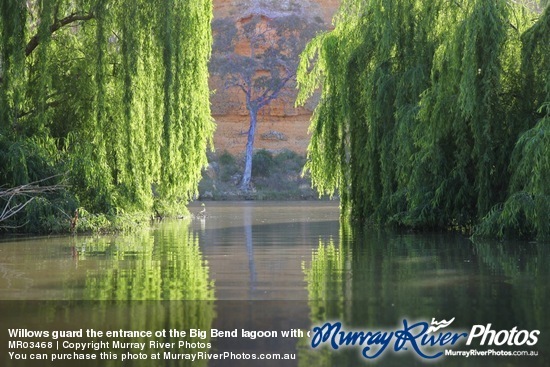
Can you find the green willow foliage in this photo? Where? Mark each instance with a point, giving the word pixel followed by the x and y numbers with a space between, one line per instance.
pixel 113 92
pixel 428 108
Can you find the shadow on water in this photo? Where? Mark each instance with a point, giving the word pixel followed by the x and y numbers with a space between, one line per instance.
pixel 372 280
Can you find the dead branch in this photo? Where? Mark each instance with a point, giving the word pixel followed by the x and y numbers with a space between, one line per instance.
pixel 28 192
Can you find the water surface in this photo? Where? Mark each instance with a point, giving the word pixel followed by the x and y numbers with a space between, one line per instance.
pixel 275 266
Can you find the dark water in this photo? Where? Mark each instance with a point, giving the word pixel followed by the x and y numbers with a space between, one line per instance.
pixel 272 266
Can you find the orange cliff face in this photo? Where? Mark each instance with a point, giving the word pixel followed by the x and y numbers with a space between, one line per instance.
pixel 280 124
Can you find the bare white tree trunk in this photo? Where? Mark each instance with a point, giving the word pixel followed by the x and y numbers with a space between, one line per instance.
pixel 245 183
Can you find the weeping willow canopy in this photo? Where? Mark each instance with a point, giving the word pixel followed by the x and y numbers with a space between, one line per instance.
pixel 113 92
pixel 434 114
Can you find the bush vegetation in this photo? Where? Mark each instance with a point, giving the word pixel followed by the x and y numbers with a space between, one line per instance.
pixel 275 176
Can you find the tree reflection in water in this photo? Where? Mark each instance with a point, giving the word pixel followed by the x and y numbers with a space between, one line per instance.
pixel 373 280
pixel 150 281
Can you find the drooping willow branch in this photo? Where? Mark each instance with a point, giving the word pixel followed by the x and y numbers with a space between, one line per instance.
pixel 59 23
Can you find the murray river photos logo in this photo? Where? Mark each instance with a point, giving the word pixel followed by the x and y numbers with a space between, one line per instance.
pixel 427 340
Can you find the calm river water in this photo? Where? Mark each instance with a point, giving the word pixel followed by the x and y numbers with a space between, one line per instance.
pixel 274 267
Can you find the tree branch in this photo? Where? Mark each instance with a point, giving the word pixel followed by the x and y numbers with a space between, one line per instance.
pixel 270 94
pixel 241 86
pixel 29 191
pixel 34 41
pixel 47 105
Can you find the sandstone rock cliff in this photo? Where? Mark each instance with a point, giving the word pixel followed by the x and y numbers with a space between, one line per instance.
pixel 280 125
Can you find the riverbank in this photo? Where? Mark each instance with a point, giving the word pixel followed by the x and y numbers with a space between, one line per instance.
pixel 276 175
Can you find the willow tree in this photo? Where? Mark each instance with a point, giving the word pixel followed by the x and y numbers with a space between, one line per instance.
pixel 115 92
pixel 373 68
pixel 527 206
pixel 422 105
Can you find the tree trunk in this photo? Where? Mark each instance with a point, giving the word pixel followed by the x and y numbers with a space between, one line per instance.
pixel 245 183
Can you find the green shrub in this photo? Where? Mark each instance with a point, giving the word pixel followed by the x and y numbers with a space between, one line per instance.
pixel 262 163
pixel 226 159
pixel 228 166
